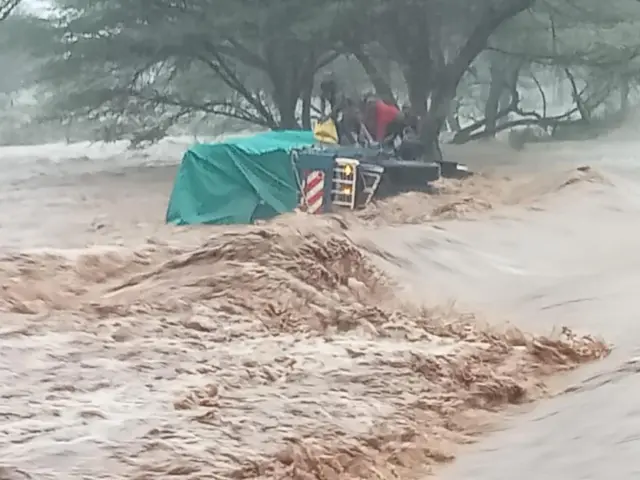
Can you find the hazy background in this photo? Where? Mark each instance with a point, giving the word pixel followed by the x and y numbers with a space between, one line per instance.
pixel 77 71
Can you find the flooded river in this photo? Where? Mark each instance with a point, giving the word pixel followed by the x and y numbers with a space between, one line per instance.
pixel 94 362
pixel 574 261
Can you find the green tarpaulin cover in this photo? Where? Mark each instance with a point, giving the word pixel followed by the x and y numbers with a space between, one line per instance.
pixel 237 181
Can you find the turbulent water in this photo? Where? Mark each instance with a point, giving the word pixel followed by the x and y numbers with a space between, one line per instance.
pixel 572 261
pixel 129 349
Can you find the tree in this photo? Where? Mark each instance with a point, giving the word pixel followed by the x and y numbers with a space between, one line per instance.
pixel 556 40
pixel 143 66
pixel 166 60
pixel 8 6
pixel 435 42
pixel 134 60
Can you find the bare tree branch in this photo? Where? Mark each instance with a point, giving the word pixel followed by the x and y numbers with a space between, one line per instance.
pixel 8 6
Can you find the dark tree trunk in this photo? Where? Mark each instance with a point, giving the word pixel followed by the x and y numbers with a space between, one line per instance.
pixel 306 107
pixel 433 119
pixel 307 94
pixel 452 117
pixel 430 128
pixel 418 82
pixel 287 110
pixel 284 73
pixel 445 77
pixel 504 79
pixel 585 113
pixel 286 100
pixel 377 79
pixel 496 87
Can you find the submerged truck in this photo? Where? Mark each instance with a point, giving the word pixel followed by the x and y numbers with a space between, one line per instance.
pixel 244 179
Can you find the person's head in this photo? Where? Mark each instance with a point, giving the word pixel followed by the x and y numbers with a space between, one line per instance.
pixel 368 99
pixel 368 106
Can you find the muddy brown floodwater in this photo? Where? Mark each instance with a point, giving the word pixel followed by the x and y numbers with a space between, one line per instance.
pixel 374 345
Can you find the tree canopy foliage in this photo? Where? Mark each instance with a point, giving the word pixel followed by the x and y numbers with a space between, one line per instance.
pixel 131 66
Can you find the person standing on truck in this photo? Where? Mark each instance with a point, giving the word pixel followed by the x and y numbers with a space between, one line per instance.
pixel 410 117
pixel 328 94
pixel 385 121
pixel 351 128
pixel 343 125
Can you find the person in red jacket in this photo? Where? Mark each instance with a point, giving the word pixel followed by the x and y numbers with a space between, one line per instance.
pixel 382 119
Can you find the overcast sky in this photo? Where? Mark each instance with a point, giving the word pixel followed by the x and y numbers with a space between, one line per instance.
pixel 35 5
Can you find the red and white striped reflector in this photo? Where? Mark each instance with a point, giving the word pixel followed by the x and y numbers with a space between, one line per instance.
pixel 313 190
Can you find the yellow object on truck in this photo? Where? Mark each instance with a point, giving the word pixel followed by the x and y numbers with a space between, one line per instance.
pixel 326 132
